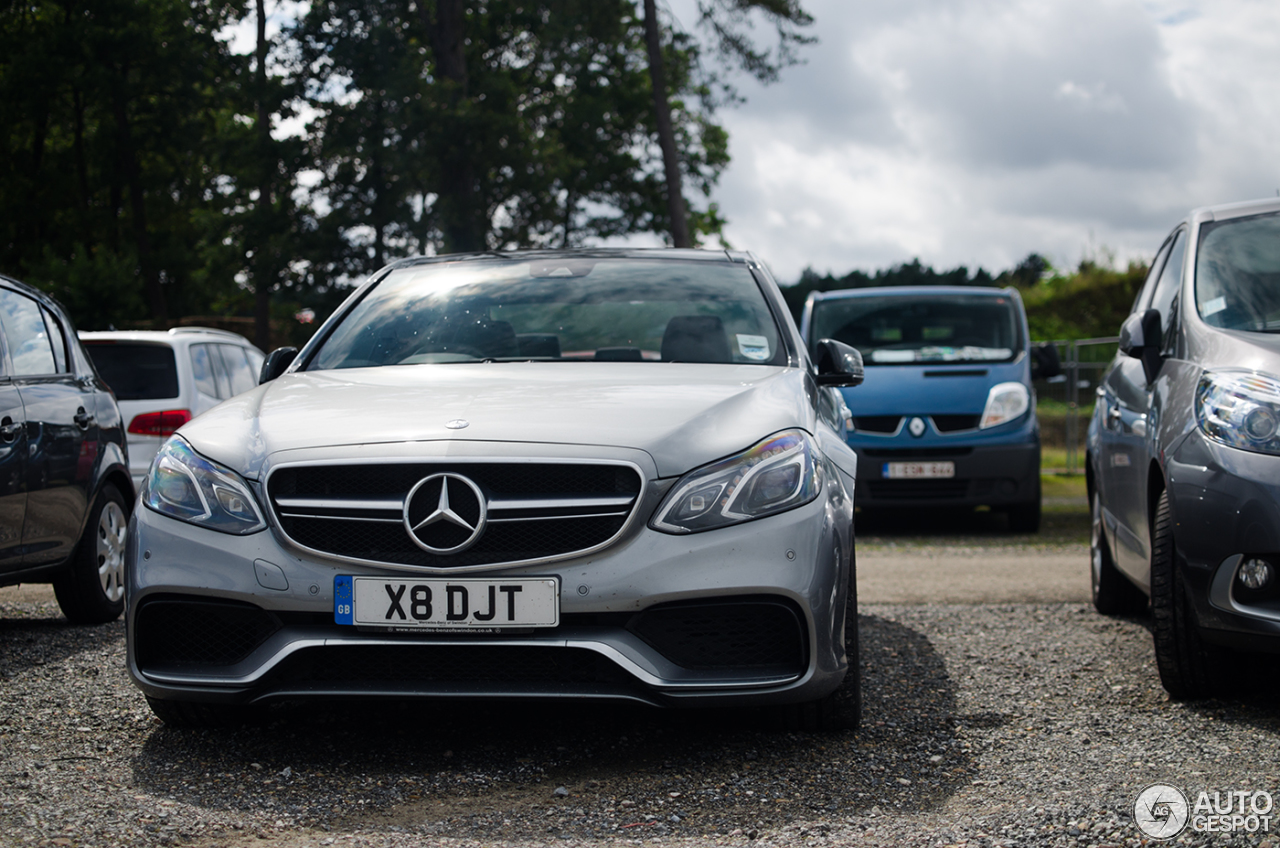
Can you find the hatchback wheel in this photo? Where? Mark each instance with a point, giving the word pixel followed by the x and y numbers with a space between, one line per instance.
pixel 1187 666
pixel 1112 593
pixel 91 591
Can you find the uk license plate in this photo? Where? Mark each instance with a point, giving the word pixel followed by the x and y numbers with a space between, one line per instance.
pixel 918 470
pixel 446 604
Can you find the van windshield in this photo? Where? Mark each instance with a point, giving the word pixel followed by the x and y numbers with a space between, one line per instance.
pixel 1238 274
pixel 906 329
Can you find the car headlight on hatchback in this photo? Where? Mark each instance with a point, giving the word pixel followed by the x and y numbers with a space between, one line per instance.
pixel 1240 409
pixel 772 476
pixel 1005 402
pixel 186 486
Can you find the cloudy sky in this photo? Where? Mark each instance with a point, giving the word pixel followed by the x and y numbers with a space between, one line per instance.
pixel 974 132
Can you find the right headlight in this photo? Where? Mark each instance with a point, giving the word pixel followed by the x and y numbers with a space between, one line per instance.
pixel 772 476
pixel 186 486
pixel 1240 409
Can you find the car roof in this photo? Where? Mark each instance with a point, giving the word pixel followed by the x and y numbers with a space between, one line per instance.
pixel 189 334
pixel 1223 211
pixel 665 253
pixel 913 291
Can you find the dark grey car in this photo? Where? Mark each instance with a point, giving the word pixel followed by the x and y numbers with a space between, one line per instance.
pixel 65 493
pixel 1184 453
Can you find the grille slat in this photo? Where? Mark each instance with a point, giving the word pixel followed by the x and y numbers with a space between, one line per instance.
pixel 535 510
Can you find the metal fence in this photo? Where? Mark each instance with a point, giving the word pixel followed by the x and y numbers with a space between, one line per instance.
pixel 1083 361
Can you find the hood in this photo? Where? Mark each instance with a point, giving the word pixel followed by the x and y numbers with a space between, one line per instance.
pixel 683 415
pixel 931 389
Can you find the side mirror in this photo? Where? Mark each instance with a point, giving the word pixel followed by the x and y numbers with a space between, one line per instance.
pixel 1044 361
pixel 1140 338
pixel 276 363
pixel 838 364
pixel 1140 330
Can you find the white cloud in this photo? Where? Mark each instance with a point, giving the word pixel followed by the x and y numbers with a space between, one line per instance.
pixel 977 131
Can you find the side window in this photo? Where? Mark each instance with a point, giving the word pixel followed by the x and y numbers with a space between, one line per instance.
pixel 1165 297
pixel 219 371
pixel 255 363
pixel 238 370
pixel 1148 286
pixel 202 370
pixel 27 335
pixel 58 339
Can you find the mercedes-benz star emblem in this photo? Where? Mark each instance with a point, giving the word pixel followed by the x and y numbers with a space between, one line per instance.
pixel 444 513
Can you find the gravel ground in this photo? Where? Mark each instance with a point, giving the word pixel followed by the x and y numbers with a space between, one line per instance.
pixel 1027 724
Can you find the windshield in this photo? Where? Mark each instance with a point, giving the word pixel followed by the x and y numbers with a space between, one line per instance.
pixel 904 329
pixel 574 309
pixel 1238 274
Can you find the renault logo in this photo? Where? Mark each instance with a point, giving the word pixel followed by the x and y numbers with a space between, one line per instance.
pixel 916 427
pixel 444 513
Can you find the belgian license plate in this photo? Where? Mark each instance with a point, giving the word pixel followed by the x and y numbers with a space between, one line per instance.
pixel 446 604
pixel 918 470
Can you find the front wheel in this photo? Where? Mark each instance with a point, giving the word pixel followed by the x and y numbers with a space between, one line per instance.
pixel 1187 666
pixel 91 590
pixel 842 709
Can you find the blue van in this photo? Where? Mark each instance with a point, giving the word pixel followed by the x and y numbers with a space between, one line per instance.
pixel 946 414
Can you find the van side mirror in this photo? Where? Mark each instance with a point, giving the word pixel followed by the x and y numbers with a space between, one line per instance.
pixel 1140 338
pixel 838 364
pixel 276 362
pixel 1044 361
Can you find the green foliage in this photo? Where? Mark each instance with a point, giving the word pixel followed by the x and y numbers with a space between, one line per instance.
pixel 138 176
pixel 1089 303
pixel 912 273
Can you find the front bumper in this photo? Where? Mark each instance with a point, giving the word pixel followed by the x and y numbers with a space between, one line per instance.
pixel 631 617
pixel 1000 467
pixel 1226 508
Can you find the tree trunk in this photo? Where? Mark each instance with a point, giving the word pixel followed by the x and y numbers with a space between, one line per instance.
pixel 263 258
pixel 461 213
pixel 137 199
pixel 666 135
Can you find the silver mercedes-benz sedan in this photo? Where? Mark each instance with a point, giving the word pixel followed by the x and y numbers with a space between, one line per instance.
pixel 604 474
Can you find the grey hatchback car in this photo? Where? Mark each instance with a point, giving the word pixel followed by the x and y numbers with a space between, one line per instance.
pixel 605 474
pixel 1184 450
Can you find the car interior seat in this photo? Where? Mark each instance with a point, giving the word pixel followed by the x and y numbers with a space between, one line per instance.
pixel 695 338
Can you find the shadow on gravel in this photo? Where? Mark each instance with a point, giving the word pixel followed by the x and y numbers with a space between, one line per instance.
pixel 30 642
pixel 535 768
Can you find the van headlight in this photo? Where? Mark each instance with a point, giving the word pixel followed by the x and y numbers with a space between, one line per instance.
pixel 772 476
pixel 1005 402
pixel 184 485
pixel 1240 409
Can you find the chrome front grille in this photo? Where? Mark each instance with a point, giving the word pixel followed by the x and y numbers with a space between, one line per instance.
pixel 533 510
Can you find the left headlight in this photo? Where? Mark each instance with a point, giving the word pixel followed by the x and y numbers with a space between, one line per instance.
pixel 186 486
pixel 1240 409
pixel 1005 402
pixel 772 476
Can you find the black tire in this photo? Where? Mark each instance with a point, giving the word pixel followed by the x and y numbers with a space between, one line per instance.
pixel 1112 593
pixel 187 715
pixel 91 589
pixel 840 710
pixel 1187 666
pixel 1025 517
